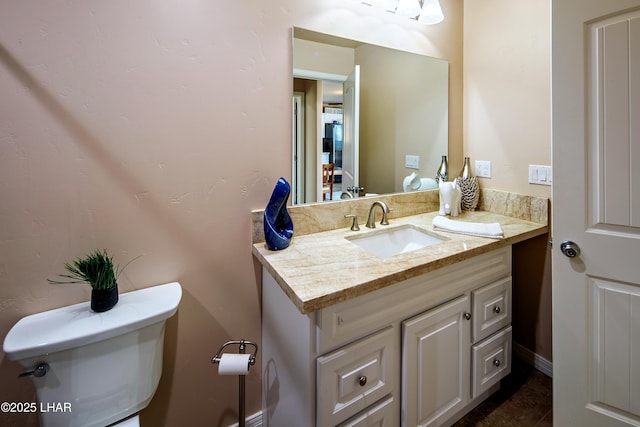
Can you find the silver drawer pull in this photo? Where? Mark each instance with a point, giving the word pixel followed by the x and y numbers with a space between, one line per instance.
pixel 496 309
pixel 362 381
pixel 496 363
pixel 467 316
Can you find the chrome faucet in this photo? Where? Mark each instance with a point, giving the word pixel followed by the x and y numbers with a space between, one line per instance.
pixel 371 221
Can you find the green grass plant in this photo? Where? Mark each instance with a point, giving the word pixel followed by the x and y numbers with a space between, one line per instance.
pixel 96 269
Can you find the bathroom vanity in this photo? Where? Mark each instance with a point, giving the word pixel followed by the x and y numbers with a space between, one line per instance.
pixel 418 338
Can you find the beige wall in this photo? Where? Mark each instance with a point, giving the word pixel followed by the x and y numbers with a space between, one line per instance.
pixel 403 111
pixel 153 128
pixel 507 120
pixel 507 90
pixel 322 58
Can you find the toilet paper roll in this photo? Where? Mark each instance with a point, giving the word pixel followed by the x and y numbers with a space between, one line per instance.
pixel 234 364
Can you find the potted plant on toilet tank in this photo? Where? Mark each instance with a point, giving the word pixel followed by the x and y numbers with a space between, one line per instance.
pixel 96 269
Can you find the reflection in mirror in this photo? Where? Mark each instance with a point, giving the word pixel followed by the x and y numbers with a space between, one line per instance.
pixel 403 111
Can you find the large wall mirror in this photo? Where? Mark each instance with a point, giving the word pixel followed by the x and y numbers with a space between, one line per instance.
pixel 364 109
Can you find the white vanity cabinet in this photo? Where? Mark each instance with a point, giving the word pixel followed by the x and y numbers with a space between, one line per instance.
pixel 454 353
pixel 419 352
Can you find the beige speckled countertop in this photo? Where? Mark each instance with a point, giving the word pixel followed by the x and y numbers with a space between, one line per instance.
pixel 320 269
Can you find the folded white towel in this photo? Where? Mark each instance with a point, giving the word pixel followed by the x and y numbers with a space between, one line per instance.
pixel 491 230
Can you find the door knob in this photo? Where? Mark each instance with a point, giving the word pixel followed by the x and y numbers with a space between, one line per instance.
pixel 570 249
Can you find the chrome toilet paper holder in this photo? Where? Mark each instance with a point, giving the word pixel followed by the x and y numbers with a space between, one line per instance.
pixel 242 347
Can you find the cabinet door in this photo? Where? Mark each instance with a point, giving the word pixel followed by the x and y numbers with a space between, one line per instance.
pixel 435 363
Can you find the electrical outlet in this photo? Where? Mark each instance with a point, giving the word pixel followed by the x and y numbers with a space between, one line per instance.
pixel 412 162
pixel 541 175
pixel 483 168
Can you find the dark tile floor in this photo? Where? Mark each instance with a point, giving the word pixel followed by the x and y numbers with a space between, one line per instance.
pixel 524 399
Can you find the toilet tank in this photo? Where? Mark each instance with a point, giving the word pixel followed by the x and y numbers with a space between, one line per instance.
pixel 103 367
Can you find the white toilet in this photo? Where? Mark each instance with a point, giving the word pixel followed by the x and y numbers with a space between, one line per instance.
pixel 95 369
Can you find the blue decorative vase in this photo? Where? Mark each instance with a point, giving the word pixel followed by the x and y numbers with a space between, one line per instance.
pixel 278 226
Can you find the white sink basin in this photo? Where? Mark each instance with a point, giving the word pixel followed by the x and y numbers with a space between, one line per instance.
pixel 388 242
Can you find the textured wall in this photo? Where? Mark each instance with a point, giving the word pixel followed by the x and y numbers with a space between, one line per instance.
pixel 507 120
pixel 507 90
pixel 153 128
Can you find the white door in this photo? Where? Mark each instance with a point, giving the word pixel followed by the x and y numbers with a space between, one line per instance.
pixel 596 204
pixel 351 131
pixel 297 138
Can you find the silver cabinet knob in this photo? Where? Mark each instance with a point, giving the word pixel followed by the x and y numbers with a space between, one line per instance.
pixel 496 363
pixel 570 249
pixel 467 316
pixel 496 309
pixel 362 381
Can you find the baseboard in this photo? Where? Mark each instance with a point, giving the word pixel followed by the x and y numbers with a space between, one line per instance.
pixel 533 359
pixel 254 420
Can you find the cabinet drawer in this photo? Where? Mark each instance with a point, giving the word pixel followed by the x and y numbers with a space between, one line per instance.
pixel 491 361
pixel 346 321
pixel 354 377
pixel 381 414
pixel 491 308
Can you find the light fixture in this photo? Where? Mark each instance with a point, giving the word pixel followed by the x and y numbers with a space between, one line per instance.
pixel 389 5
pixel 408 8
pixel 429 13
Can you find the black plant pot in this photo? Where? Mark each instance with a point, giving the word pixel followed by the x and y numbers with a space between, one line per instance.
pixel 104 299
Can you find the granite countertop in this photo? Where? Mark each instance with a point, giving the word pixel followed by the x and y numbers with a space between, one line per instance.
pixel 321 269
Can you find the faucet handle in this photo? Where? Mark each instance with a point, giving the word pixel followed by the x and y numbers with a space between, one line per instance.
pixel 354 223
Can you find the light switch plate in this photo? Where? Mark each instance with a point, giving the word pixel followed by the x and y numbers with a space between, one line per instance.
pixel 412 162
pixel 483 168
pixel 541 175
